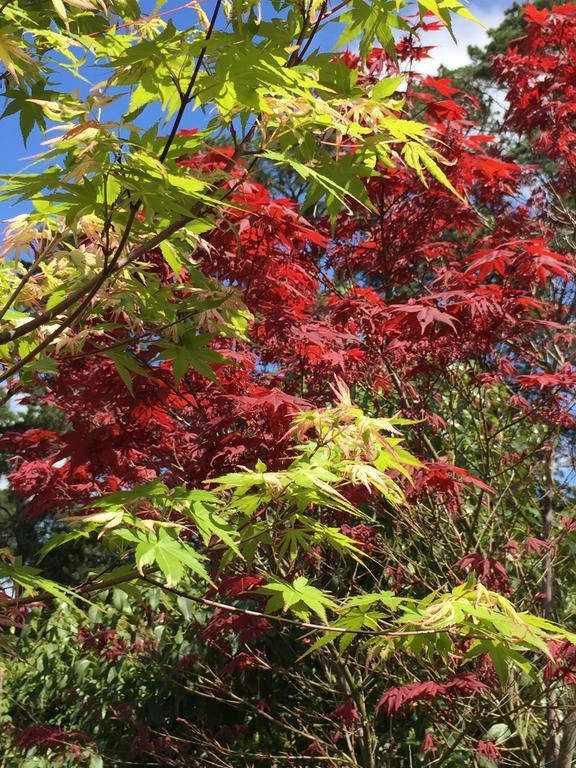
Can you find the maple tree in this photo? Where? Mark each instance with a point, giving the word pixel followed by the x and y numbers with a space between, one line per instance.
pixel 301 391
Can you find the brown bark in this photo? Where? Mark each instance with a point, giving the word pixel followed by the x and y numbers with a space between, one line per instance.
pixel 552 722
pixel 567 746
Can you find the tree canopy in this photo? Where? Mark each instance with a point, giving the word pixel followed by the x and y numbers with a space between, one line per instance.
pixel 286 359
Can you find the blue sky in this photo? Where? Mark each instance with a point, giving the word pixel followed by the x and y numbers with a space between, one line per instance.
pixel 14 157
pixel 453 54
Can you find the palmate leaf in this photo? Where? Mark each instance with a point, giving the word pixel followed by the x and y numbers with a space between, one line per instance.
pixel 157 542
pixel 20 101
pixel 333 189
pixel 126 365
pixel 304 532
pixel 211 524
pixel 371 22
pixel 444 9
pixel 164 549
pixel 334 538
pixel 294 541
pixel 192 352
pixel 420 157
pixel 13 56
pixel 502 656
pixel 358 613
pixel 300 597
pixel 354 620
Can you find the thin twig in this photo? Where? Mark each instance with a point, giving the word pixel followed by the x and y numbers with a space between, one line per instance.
pixel 293 622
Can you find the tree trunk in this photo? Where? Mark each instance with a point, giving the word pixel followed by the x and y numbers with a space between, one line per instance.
pixel 551 754
pixel 568 741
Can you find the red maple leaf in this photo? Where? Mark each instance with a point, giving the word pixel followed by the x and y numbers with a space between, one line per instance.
pixel 441 84
pixel 425 314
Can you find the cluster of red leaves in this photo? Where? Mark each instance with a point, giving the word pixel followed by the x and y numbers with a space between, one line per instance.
pixel 563 663
pixel 394 699
pixel 108 644
pixel 428 744
pixel 364 536
pixel 539 73
pixel 489 750
pixel 347 714
pixel 489 571
pixel 51 737
pixel 445 482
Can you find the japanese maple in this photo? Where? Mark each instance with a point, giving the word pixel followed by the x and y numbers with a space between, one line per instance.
pixel 310 445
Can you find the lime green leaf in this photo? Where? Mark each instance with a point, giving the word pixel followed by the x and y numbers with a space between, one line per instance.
pixel 386 87
pixel 417 155
pixel 58 539
pixel 125 364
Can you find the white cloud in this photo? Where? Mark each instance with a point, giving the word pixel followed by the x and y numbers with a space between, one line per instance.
pixel 454 54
